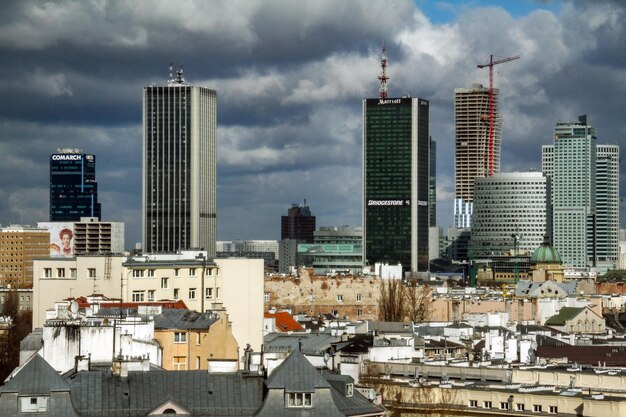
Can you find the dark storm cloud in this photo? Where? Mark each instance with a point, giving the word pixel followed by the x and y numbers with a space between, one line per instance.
pixel 290 77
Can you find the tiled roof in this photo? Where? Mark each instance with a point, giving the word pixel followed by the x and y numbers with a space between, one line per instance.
pixel 585 355
pixel 285 322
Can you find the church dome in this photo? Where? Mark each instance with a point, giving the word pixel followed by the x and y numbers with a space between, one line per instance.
pixel 546 254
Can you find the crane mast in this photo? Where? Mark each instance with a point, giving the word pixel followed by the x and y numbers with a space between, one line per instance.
pixel 490 64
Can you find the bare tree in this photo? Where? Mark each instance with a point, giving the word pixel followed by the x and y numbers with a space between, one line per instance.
pixel 419 302
pixel 391 301
pixel 10 307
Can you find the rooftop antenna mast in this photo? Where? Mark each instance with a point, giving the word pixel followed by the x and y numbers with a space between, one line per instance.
pixel 170 78
pixel 179 75
pixel 490 64
pixel 383 77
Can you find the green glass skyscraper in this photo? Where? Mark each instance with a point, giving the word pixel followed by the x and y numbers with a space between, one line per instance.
pixel 396 182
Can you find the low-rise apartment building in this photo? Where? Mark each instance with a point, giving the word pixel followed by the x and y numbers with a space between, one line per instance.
pixel 236 283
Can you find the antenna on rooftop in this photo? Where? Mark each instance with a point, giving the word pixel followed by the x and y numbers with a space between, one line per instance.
pixel 170 78
pixel 179 75
pixel 383 77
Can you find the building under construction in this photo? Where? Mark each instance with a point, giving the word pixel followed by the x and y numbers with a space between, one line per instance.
pixel 471 160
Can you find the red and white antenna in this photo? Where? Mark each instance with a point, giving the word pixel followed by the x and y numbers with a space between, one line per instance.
pixel 383 77
pixel 170 78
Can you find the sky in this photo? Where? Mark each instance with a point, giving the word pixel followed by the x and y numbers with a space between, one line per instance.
pixel 290 78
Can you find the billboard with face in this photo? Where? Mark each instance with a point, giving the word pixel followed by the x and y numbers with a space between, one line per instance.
pixel 61 238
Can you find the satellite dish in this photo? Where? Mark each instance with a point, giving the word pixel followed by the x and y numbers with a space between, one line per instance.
pixel 74 309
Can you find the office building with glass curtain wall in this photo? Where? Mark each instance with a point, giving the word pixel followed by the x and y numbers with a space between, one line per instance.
pixel 585 194
pixel 396 182
pixel 179 167
pixel 73 186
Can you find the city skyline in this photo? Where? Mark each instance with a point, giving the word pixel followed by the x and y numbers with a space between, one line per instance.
pixel 289 121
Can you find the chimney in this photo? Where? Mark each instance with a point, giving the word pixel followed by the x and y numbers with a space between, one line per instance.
pixel 82 363
pixel 247 355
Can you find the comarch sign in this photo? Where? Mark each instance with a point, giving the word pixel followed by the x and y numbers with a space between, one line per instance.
pixel 67 157
pixel 394 202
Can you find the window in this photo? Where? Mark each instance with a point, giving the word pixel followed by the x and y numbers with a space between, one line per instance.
pixel 91 272
pixel 197 362
pixel 164 283
pixel 504 406
pixel 266 296
pixel 209 293
pixel 192 272
pixel 176 272
pixel 358 297
pixel 137 296
pixel 473 403
pixel 180 363
pixel 537 408
pixel 47 272
pixel 180 337
pixel 73 273
pixel 217 292
pixel 339 298
pixel 486 404
pixel 349 390
pixel 61 272
pixel 150 273
pixel 520 407
pixel 554 409
pixel 176 294
pixel 192 293
pixel 298 399
pixel 150 295
pixel 33 404
pixel 359 313
pixel 198 339
pixel 137 273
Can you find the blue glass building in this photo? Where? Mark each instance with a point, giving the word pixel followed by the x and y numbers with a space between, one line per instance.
pixel 73 186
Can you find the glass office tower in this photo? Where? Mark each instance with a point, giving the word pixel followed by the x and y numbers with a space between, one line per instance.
pixel 396 182
pixel 73 186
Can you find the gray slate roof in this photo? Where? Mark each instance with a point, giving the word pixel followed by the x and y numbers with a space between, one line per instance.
pixel 312 343
pixel 296 374
pixel 36 377
pixel 99 394
pixel 175 318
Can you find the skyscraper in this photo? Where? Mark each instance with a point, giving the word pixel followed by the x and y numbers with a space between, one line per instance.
pixel 396 182
pixel 73 186
pixel 471 159
pixel 607 206
pixel 298 224
pixel 571 162
pixel 601 177
pixel 432 185
pixel 179 166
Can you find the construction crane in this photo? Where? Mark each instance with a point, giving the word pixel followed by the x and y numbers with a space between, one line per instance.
pixel 491 115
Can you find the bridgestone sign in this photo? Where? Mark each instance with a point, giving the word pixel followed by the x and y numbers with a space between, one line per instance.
pixel 388 202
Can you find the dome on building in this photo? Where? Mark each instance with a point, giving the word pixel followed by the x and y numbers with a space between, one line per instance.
pixel 546 254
